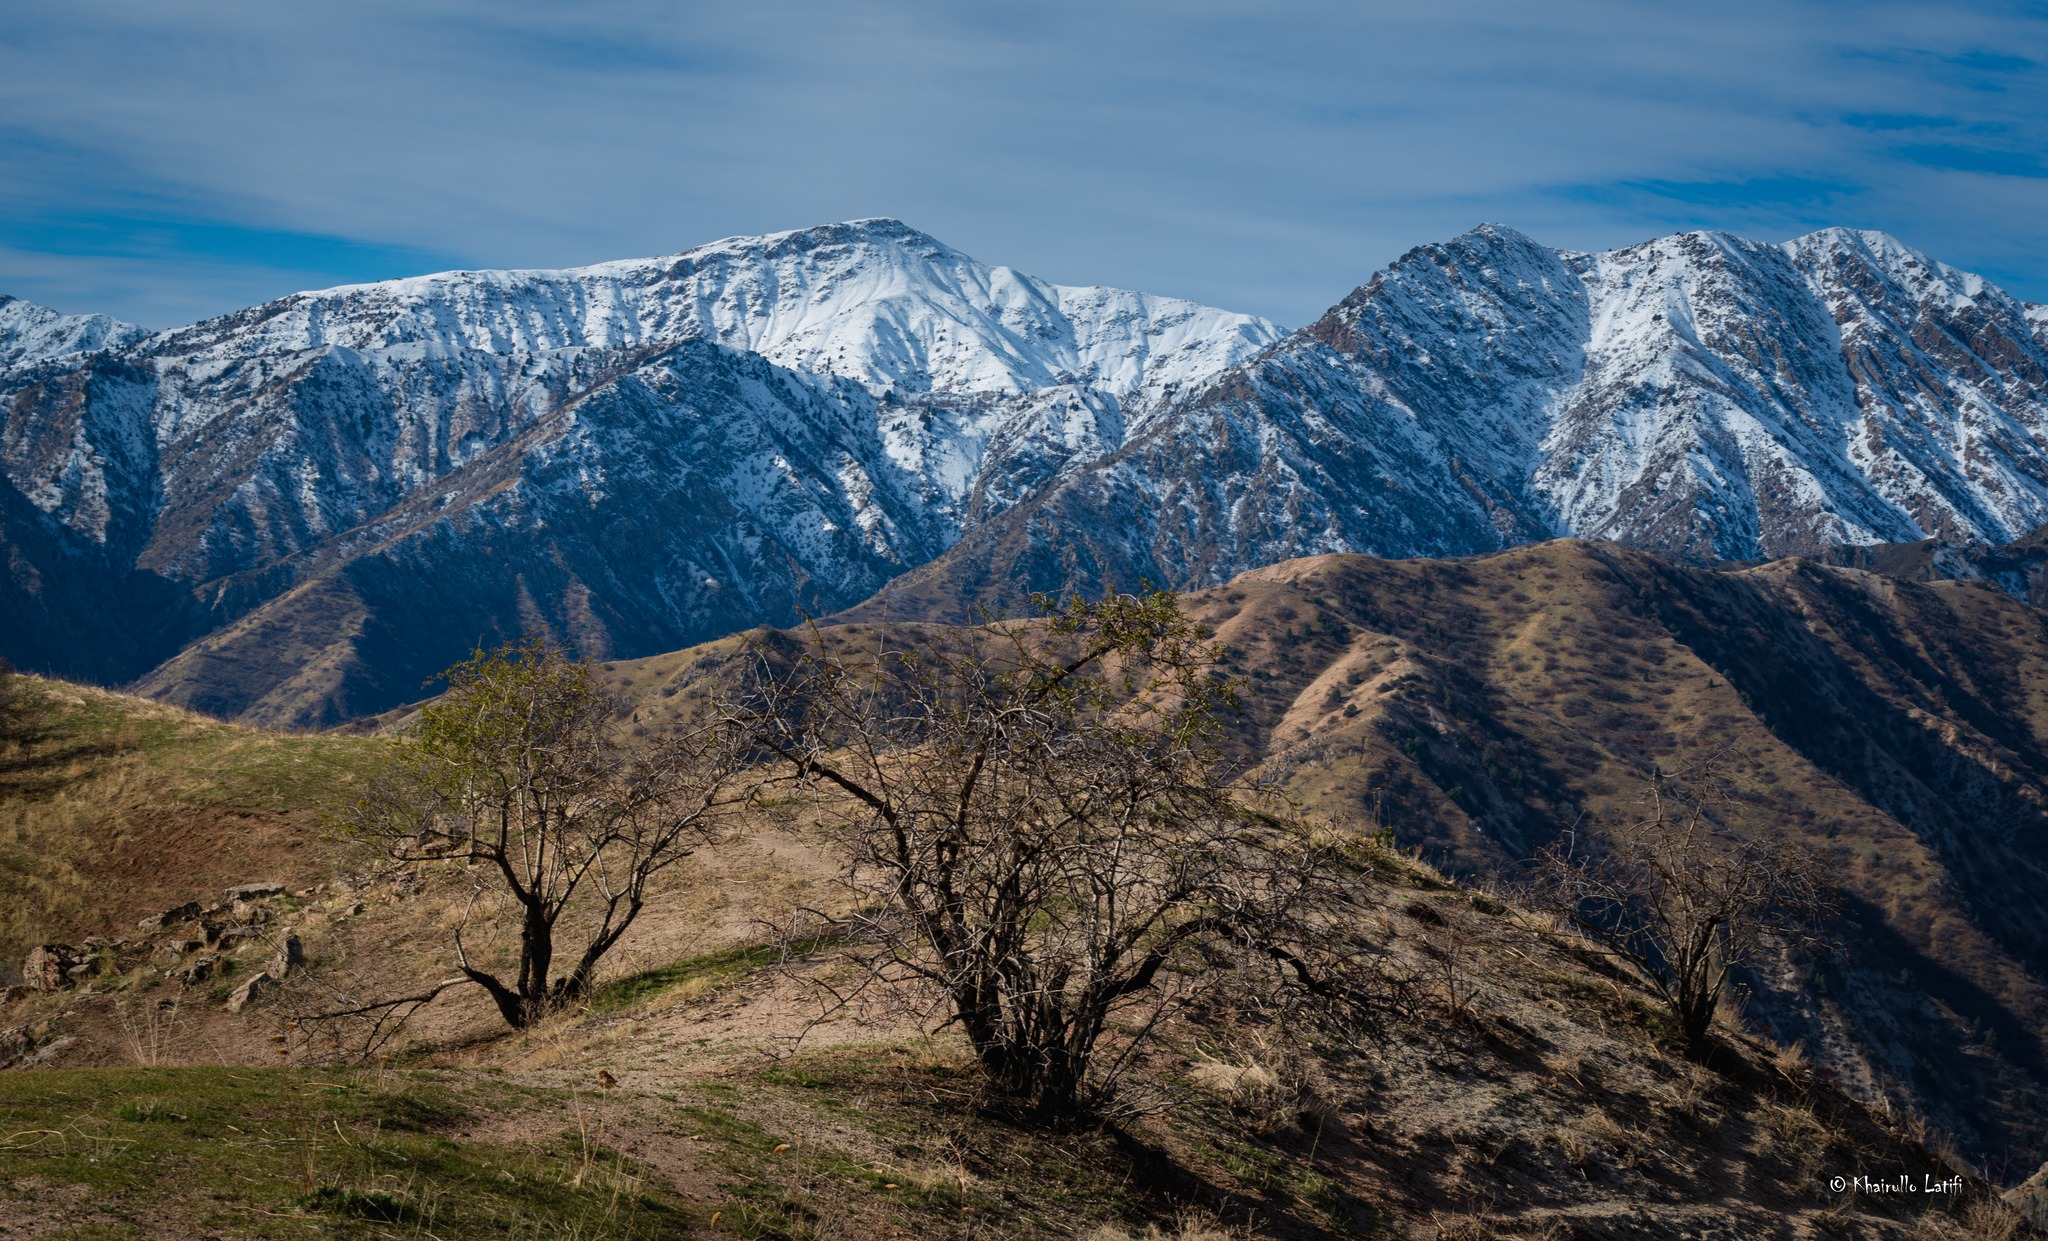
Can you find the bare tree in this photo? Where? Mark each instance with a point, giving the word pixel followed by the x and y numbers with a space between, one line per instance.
pixel 1038 831
pixel 519 772
pixel 1684 900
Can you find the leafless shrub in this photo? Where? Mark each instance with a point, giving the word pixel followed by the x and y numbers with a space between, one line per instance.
pixel 1040 836
pixel 1448 966
pixel 1684 900
pixel 148 1031
pixel 518 773
pixel 344 1012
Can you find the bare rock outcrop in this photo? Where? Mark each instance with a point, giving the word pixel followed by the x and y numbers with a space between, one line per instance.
pixel 169 917
pixel 289 957
pixel 249 991
pixel 2029 1198
pixel 200 968
pixel 54 967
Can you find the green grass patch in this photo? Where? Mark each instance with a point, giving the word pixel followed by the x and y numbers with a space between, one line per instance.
pixel 200 761
pixel 370 1204
pixel 793 1190
pixel 699 972
pixel 290 1154
pixel 928 1161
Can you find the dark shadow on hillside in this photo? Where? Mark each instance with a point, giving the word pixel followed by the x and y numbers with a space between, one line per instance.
pixel 1942 1066
pixel 1990 838
pixel 40 764
pixel 1169 1186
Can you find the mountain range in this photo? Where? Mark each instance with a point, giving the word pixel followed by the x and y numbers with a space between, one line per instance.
pixel 298 513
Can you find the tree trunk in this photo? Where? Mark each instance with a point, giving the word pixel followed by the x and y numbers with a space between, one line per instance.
pixel 1695 1019
pixel 536 958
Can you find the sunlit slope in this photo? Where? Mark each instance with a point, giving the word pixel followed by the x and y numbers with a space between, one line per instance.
pixel 112 807
pixel 1480 707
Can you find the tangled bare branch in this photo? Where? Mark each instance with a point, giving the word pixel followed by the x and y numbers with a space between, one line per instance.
pixel 1039 833
pixel 1684 899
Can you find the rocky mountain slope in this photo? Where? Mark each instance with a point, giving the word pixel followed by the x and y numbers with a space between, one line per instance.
pixel 298 513
pixel 1699 395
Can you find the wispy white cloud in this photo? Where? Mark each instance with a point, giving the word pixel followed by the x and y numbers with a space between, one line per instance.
pixel 1259 157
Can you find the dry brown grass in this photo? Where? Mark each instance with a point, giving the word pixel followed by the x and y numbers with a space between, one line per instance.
pixel 1601 1117
pixel 1573 1145
pixel 1792 1062
pixel 1189 1226
pixel 1558 1091
pixel 1501 699
pixel 1987 1219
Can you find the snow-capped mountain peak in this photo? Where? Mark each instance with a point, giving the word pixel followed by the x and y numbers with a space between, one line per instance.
pixel 713 435
pixel 872 300
pixel 1702 394
pixel 30 333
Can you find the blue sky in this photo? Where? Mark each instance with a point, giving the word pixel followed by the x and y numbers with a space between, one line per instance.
pixel 164 162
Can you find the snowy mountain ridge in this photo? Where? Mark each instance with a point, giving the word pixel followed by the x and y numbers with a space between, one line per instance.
pixel 298 512
pixel 1701 395
pixel 873 300
pixel 853 394
pixel 426 373
pixel 30 333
